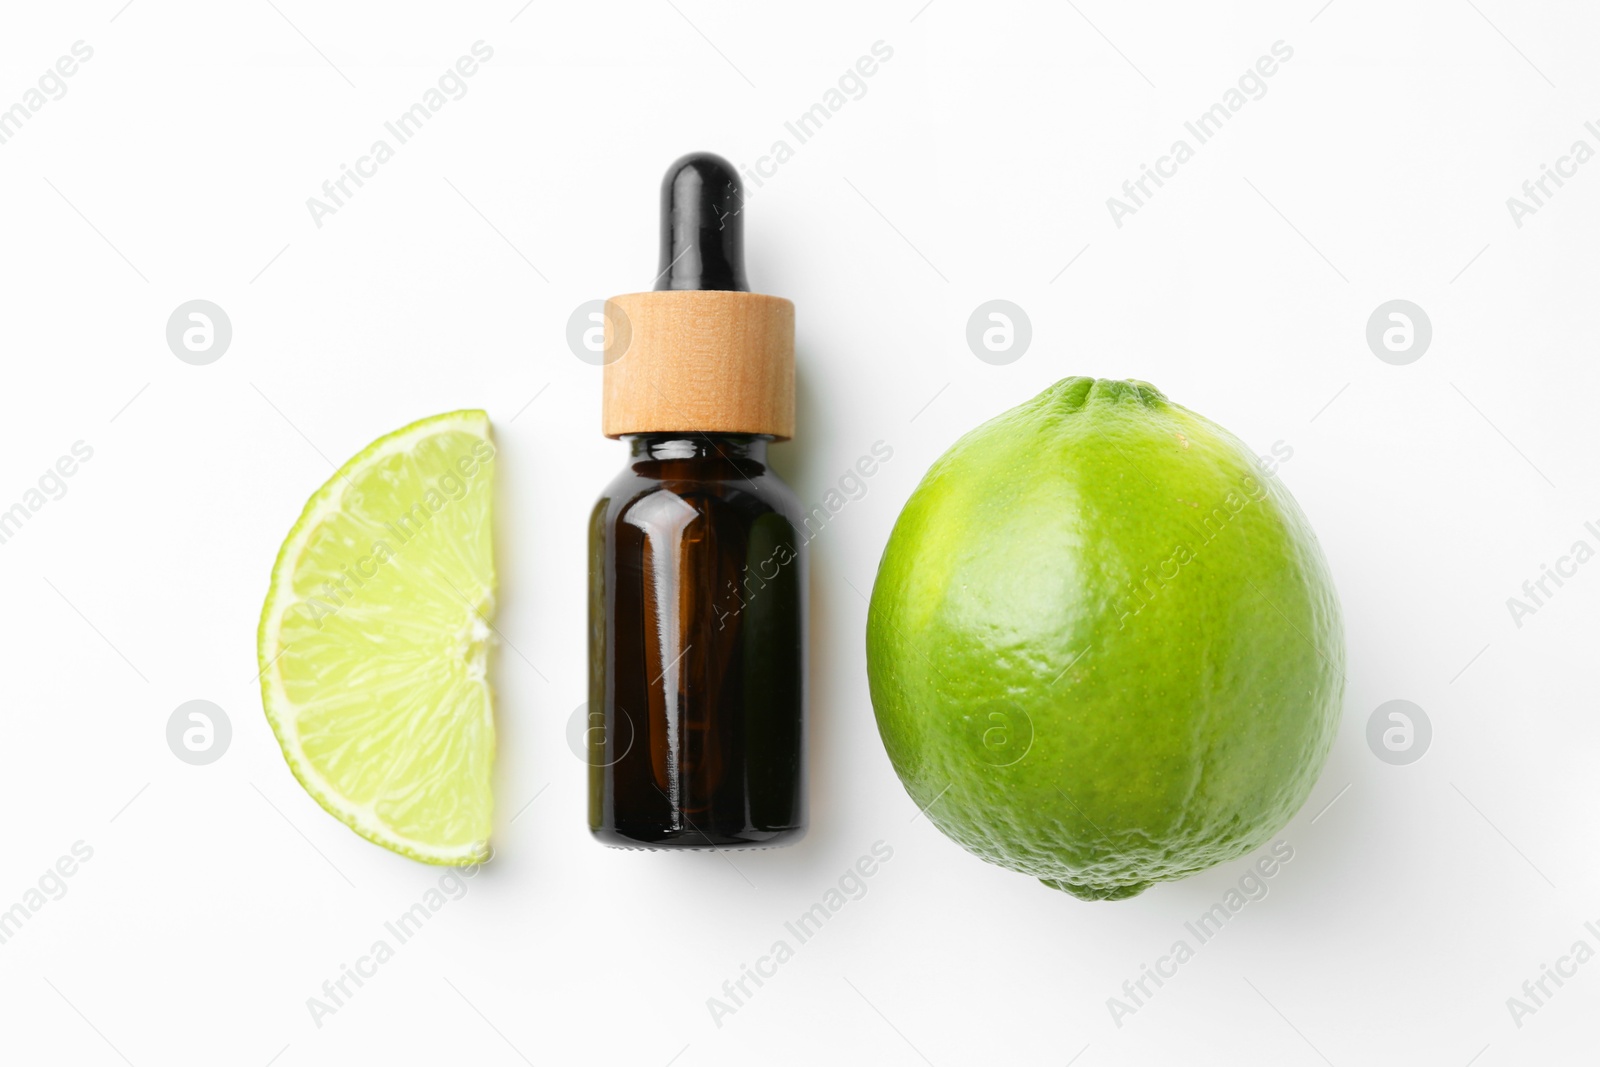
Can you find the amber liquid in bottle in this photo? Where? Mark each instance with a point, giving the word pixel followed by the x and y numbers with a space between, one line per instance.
pixel 697 649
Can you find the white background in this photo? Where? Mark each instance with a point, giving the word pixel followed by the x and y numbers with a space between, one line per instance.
pixel 976 166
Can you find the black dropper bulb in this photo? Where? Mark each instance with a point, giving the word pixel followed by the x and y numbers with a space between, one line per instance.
pixel 702 225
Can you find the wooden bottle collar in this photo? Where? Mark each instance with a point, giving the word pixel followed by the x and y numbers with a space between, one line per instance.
pixel 712 361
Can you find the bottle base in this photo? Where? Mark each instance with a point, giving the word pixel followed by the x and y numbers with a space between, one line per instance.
pixel 669 840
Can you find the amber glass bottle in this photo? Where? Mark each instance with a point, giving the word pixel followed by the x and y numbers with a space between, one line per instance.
pixel 697 571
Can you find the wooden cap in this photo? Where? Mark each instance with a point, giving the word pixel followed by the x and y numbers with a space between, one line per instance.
pixel 706 360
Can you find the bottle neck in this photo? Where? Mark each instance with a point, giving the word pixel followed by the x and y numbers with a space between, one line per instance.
pixel 737 448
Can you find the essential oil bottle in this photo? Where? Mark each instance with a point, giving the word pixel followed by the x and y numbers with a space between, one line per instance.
pixel 697 570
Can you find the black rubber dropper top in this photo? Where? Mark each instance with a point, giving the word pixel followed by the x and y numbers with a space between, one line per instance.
pixel 702 225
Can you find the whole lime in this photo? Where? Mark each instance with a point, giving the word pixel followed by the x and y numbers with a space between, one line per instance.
pixel 1104 646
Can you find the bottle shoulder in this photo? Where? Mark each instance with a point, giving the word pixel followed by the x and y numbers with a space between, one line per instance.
pixel 753 493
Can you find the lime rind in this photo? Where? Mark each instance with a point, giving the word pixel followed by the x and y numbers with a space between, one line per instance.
pixel 1119 589
pixel 283 712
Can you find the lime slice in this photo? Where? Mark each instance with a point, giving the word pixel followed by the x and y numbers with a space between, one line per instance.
pixel 374 641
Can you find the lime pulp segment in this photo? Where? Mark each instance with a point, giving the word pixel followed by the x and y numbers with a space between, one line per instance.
pixel 374 641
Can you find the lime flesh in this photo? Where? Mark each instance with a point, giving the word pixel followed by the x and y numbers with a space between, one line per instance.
pixel 1104 644
pixel 374 641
